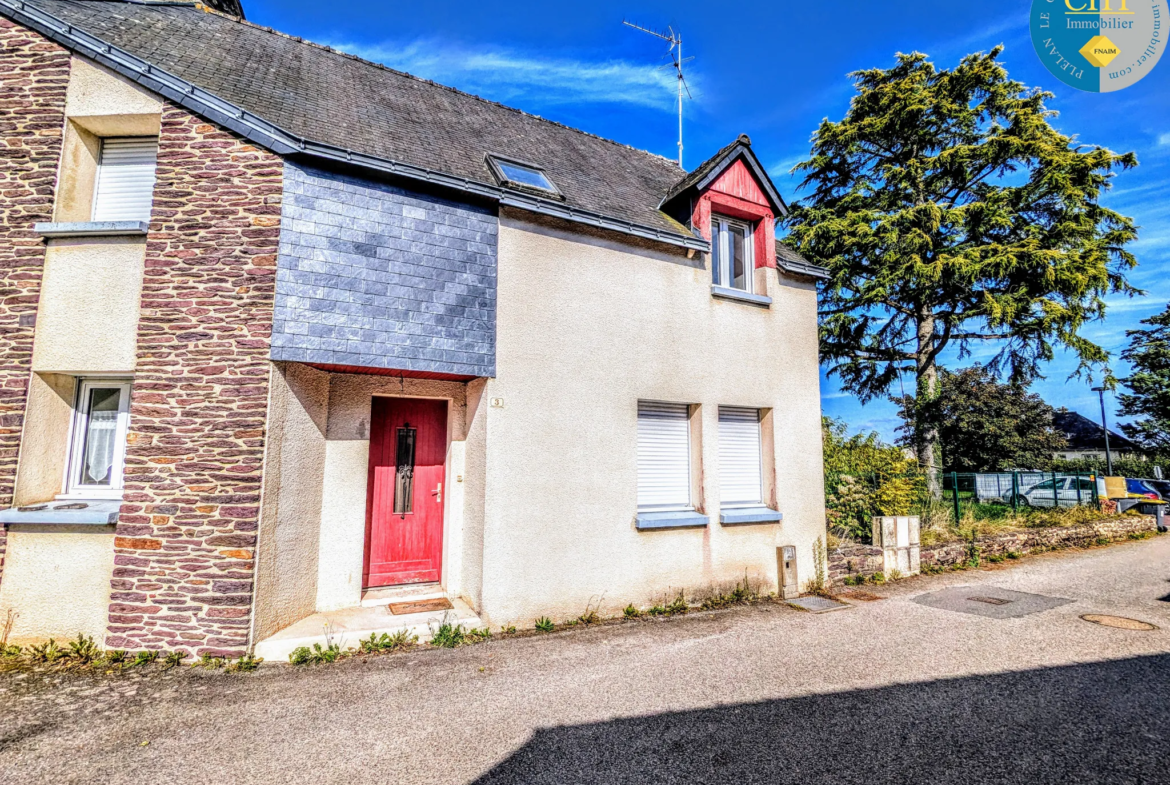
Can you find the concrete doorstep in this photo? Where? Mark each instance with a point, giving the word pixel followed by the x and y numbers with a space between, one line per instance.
pixel 348 626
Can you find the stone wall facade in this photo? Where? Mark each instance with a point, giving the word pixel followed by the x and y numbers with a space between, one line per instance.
pixel 376 276
pixel 185 540
pixel 856 560
pixel 32 115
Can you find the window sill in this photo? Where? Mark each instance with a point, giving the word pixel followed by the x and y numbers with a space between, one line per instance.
pixel 744 515
pixel 92 229
pixel 725 293
pixel 98 512
pixel 677 519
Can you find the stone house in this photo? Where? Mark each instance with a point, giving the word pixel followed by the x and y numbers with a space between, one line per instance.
pixel 290 337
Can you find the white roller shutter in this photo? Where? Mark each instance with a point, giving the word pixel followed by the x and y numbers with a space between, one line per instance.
pixel 739 456
pixel 664 456
pixel 125 179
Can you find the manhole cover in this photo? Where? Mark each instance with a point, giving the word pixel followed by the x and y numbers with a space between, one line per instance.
pixel 817 604
pixel 990 600
pixel 1120 622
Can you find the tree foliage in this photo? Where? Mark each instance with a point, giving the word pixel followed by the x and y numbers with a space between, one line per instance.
pixel 952 215
pixel 865 477
pixel 985 425
pixel 1148 398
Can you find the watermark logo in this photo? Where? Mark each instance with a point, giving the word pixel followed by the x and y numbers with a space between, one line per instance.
pixel 1099 45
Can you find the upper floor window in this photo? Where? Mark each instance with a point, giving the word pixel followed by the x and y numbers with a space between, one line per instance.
pixel 98 442
pixel 731 253
pixel 124 189
pixel 512 172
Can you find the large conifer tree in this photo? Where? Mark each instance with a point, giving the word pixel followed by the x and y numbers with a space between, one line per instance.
pixel 951 214
pixel 1149 385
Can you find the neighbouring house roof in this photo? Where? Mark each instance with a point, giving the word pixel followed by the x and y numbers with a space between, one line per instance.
pixel 1085 434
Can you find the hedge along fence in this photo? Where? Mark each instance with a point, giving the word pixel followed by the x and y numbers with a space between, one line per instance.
pixel 856 561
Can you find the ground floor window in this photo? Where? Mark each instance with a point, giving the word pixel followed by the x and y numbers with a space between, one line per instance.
pixel 664 456
pixel 740 470
pixel 97 447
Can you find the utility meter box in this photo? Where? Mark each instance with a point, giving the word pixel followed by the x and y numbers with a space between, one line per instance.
pixel 899 537
pixel 786 568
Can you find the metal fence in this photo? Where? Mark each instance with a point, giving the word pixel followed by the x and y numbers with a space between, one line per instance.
pixel 1021 489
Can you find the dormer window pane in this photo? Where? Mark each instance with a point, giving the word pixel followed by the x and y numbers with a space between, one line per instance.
pixel 738 256
pixel 525 175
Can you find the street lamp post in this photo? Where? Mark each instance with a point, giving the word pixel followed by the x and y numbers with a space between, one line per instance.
pixel 1105 427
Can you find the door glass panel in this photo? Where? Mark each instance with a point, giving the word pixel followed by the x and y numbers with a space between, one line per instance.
pixel 404 471
pixel 101 432
pixel 738 257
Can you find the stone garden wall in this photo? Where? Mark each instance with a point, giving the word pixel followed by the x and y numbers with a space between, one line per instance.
pixel 856 560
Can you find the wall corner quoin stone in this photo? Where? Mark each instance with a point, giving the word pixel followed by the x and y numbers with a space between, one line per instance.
pixel 32 115
pixel 184 553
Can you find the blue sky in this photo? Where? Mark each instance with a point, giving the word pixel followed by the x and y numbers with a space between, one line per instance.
pixel 771 70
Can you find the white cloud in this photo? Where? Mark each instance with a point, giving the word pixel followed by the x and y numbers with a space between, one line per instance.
pixel 509 76
pixel 1164 139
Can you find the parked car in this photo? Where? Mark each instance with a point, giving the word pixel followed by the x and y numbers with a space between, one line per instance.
pixel 1151 489
pixel 1062 491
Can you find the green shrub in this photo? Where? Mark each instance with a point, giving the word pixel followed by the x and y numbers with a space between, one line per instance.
pixel 448 635
pixel 244 664
pixel 399 639
pixel 83 650
pixel 47 652
pixel 316 655
pixel 143 658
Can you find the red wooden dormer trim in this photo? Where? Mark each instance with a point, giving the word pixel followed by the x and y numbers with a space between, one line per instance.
pixel 737 194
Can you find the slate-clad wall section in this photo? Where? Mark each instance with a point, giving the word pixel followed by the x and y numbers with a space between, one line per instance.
pixel 377 276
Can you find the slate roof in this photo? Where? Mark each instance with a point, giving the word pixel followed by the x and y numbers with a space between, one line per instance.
pixel 1085 434
pixel 294 97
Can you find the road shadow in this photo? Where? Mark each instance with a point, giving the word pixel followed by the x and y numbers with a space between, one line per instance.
pixel 1098 723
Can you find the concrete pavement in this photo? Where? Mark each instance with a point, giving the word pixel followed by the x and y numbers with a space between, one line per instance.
pixel 888 691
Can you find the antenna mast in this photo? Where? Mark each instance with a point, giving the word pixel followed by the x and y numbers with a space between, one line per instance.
pixel 676 62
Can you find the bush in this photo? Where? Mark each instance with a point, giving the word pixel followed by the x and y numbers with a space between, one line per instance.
pixel 865 477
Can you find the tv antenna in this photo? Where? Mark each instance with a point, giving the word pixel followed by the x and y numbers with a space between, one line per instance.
pixel 676 62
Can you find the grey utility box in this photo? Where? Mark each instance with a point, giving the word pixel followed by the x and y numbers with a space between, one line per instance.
pixel 899 538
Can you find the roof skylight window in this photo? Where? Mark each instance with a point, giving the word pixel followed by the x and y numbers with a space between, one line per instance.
pixel 510 172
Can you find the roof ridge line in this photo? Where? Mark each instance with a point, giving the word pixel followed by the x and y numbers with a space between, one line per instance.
pixel 384 67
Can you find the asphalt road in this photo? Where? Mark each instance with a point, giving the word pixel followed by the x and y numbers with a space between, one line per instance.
pixel 887 691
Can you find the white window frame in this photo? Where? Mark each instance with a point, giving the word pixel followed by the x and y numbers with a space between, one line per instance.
pixel 721 252
pixel 72 485
pixel 689 505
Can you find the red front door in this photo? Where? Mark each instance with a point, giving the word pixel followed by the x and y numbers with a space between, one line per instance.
pixel 404 502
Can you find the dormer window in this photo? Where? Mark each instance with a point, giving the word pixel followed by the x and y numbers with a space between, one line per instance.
pixel 517 174
pixel 731 253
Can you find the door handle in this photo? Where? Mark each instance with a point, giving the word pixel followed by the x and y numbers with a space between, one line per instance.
pixel 438 494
